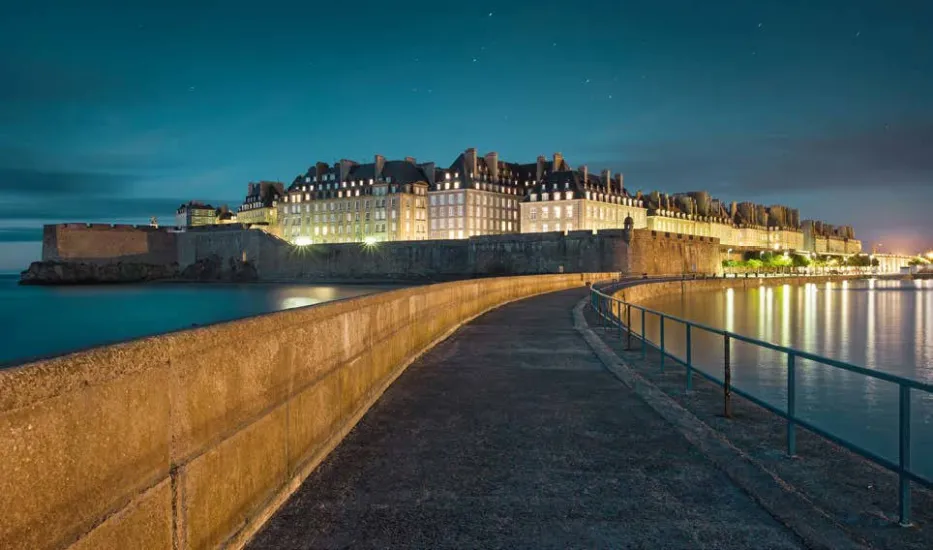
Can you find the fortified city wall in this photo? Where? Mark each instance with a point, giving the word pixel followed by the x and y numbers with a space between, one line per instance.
pixel 639 293
pixel 520 254
pixel 192 439
pixel 102 243
pixel 643 251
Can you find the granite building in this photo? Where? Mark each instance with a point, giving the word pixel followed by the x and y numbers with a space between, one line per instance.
pixel 352 202
pixel 564 199
pixel 195 213
pixel 260 207
pixel 478 196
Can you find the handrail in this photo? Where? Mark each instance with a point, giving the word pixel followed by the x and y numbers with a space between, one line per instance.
pixel 609 309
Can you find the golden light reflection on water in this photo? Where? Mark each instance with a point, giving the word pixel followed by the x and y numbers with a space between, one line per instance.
pixel 730 309
pixel 879 324
pixel 290 302
pixel 785 315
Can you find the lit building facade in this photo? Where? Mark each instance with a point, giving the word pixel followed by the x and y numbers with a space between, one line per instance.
pixel 260 207
pixel 571 200
pixel 351 202
pixel 195 213
pixel 478 196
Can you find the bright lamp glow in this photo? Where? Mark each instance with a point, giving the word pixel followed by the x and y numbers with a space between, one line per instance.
pixel 370 241
pixel 302 241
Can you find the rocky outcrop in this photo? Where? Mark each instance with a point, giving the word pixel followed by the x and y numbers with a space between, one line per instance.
pixel 212 268
pixel 76 273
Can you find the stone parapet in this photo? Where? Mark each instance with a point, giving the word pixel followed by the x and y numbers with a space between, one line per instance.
pixel 191 439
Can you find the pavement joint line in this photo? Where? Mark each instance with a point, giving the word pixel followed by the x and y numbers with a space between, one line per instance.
pixel 816 528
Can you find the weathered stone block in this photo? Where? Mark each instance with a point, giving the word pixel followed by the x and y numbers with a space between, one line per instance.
pixel 227 486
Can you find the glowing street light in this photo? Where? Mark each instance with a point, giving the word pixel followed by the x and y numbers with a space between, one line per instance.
pixel 302 241
pixel 370 241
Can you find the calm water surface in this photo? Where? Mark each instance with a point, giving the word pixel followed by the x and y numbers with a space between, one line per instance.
pixel 882 325
pixel 41 321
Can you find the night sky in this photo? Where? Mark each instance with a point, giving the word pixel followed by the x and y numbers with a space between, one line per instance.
pixel 115 110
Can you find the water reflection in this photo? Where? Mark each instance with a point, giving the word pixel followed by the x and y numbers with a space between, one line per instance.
pixel 49 320
pixel 879 324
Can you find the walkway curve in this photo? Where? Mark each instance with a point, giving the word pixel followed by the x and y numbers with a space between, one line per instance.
pixel 511 434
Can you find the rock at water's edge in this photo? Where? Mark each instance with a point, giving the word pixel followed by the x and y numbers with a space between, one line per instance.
pixel 76 273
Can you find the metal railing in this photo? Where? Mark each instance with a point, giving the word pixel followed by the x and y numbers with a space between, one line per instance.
pixel 611 311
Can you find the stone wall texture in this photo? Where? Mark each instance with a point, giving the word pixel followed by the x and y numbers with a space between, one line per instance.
pixel 640 293
pixel 523 254
pixel 644 251
pixel 658 253
pixel 105 243
pixel 192 439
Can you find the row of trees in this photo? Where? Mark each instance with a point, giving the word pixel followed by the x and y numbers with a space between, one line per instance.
pixel 768 260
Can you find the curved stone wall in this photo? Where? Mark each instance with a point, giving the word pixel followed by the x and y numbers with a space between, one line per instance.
pixel 191 439
pixel 641 291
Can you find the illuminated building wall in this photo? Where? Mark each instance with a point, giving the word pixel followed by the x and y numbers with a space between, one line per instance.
pixel 350 202
pixel 570 200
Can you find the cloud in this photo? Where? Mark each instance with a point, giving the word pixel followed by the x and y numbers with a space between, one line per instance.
pixel 79 209
pixel 892 156
pixel 20 234
pixel 41 184
pixel 32 172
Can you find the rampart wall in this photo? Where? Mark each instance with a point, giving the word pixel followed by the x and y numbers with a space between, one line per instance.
pixel 522 254
pixel 104 243
pixel 639 293
pixel 192 439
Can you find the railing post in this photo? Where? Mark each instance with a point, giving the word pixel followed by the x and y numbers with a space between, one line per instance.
pixel 628 314
pixel 662 341
pixel 619 316
pixel 727 380
pixel 791 405
pixel 644 341
pixel 689 361
pixel 904 456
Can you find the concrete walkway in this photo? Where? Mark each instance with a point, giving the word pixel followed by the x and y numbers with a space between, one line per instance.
pixel 511 434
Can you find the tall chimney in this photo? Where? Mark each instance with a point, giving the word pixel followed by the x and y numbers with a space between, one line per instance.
pixel 345 165
pixel 540 174
pixel 492 164
pixel 607 180
pixel 585 172
pixel 621 183
pixel 319 170
pixel 379 163
pixel 557 162
pixel 429 171
pixel 469 163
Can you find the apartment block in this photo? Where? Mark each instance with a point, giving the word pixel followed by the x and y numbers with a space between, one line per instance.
pixel 352 202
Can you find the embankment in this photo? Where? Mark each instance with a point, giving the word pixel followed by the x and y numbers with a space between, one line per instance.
pixel 640 291
pixel 191 439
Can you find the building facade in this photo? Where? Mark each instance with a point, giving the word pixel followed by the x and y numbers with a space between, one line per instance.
pixel 195 213
pixel 260 207
pixel 351 202
pixel 571 200
pixel 478 196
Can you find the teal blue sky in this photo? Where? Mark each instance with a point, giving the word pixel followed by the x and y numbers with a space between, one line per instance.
pixel 115 110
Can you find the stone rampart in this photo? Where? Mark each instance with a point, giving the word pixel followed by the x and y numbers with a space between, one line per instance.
pixel 639 293
pixel 520 254
pixel 659 253
pixel 191 439
pixel 105 243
